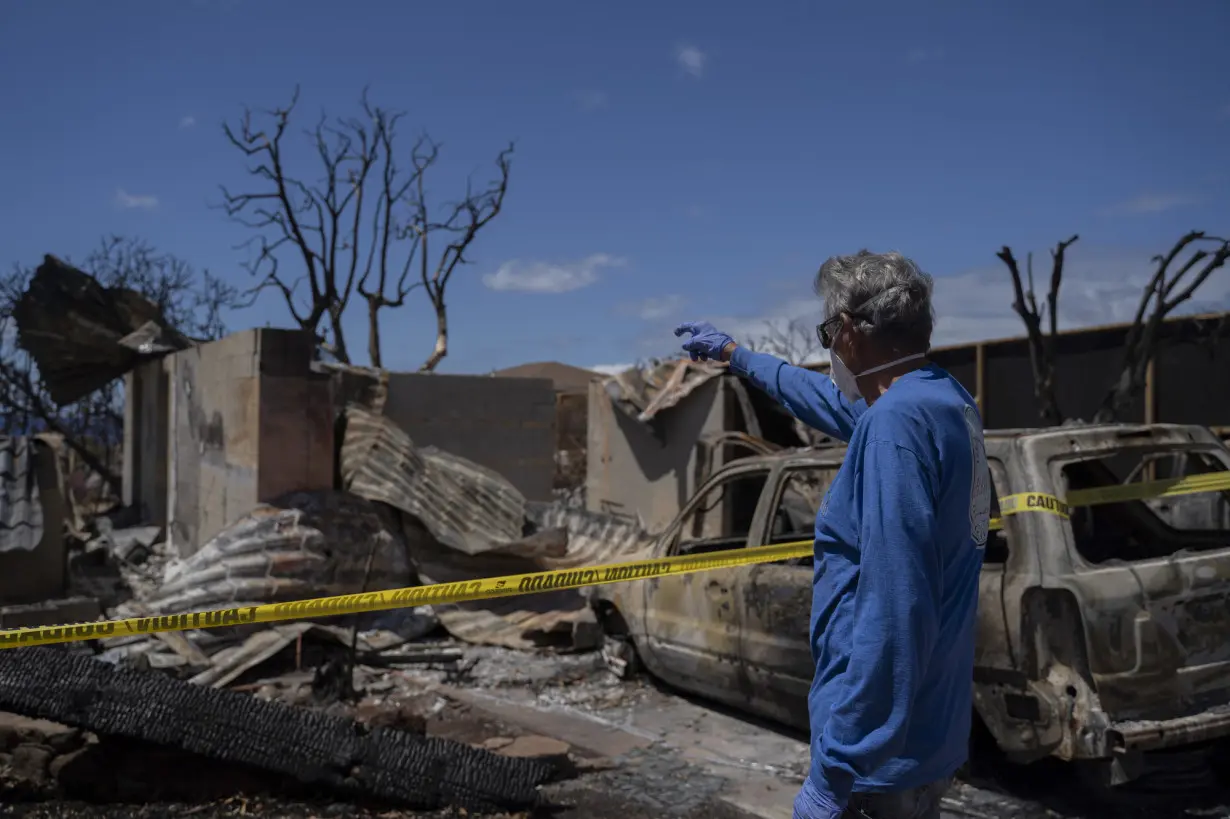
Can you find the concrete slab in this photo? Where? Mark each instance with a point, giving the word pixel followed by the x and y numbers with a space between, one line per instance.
pixel 581 731
pixel 763 797
pixel 763 769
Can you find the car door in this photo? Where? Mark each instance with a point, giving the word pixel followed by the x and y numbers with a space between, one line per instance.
pixel 691 620
pixel 775 639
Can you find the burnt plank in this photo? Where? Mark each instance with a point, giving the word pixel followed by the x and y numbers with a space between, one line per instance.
pixel 425 773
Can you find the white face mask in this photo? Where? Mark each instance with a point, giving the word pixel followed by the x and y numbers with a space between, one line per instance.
pixel 847 382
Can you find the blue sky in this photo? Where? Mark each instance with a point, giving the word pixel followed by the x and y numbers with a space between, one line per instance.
pixel 674 160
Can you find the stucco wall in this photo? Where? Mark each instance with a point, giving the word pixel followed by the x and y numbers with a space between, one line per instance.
pixel 504 424
pixel 649 468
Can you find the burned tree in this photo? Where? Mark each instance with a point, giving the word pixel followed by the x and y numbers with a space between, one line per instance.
pixel 1172 284
pixel 365 227
pixel 1174 281
pixel 1041 345
pixel 73 393
pixel 794 341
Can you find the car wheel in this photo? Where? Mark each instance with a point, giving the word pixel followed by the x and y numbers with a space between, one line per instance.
pixel 620 657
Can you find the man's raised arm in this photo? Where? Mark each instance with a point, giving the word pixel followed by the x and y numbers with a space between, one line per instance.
pixel 809 396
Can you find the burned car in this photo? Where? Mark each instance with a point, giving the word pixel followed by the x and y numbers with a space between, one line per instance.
pixel 1102 635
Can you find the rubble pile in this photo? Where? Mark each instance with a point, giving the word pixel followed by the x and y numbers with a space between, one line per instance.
pixel 335 703
pixel 409 516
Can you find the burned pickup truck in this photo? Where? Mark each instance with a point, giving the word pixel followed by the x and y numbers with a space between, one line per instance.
pixel 1102 634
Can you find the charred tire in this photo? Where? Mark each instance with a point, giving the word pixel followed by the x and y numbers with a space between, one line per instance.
pixel 620 657
pixel 619 653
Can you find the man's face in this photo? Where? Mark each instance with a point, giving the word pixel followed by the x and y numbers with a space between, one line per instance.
pixel 837 335
pixel 846 344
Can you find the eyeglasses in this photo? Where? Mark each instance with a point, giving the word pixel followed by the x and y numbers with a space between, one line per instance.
pixel 827 330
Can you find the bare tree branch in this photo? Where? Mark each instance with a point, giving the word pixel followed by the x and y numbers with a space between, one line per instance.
pixel 360 227
pixel 468 217
pixel 1166 291
pixel 1041 345
pixel 795 341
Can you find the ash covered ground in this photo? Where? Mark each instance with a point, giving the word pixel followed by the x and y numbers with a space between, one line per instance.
pixel 633 749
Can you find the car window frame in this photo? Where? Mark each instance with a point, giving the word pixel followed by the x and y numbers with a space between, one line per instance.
pixel 779 488
pixel 994 461
pixel 671 539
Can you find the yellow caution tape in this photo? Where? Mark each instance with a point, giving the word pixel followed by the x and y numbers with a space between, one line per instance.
pixel 1029 502
pixel 1170 487
pixel 437 594
pixel 519 584
pixel 1099 495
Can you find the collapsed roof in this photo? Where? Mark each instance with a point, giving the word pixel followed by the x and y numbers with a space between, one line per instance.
pixel 83 335
pixel 643 391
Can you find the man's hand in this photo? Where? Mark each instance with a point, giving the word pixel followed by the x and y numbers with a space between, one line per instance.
pixel 707 342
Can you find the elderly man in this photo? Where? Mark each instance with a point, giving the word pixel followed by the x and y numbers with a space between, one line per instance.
pixel 899 542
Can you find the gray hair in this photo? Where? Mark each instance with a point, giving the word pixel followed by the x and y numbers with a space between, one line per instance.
pixel 887 288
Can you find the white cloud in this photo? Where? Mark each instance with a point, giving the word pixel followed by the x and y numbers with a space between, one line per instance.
pixel 187 121
pixel 653 309
pixel 1148 203
pixel 1100 286
pixel 611 369
pixel 131 200
pixel 550 277
pixel 691 59
pixel 591 100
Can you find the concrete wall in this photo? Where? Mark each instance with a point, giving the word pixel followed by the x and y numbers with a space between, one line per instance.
pixel 504 424
pixel 650 468
pixel 147 418
pixel 1189 383
pixel 248 421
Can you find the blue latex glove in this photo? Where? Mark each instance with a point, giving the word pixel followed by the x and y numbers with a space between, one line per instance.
pixel 707 341
pixel 811 804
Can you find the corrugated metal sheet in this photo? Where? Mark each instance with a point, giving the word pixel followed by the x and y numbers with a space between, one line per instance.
pixel 303 545
pixel 557 619
pixel 593 538
pixel 21 508
pixel 644 392
pixel 465 506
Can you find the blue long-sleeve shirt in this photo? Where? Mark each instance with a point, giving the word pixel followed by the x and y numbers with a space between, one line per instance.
pixel 900 537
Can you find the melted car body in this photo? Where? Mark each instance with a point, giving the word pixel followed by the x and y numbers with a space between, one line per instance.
pixel 1101 635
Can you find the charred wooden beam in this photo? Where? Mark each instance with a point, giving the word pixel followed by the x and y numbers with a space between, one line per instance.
pixel 424 773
